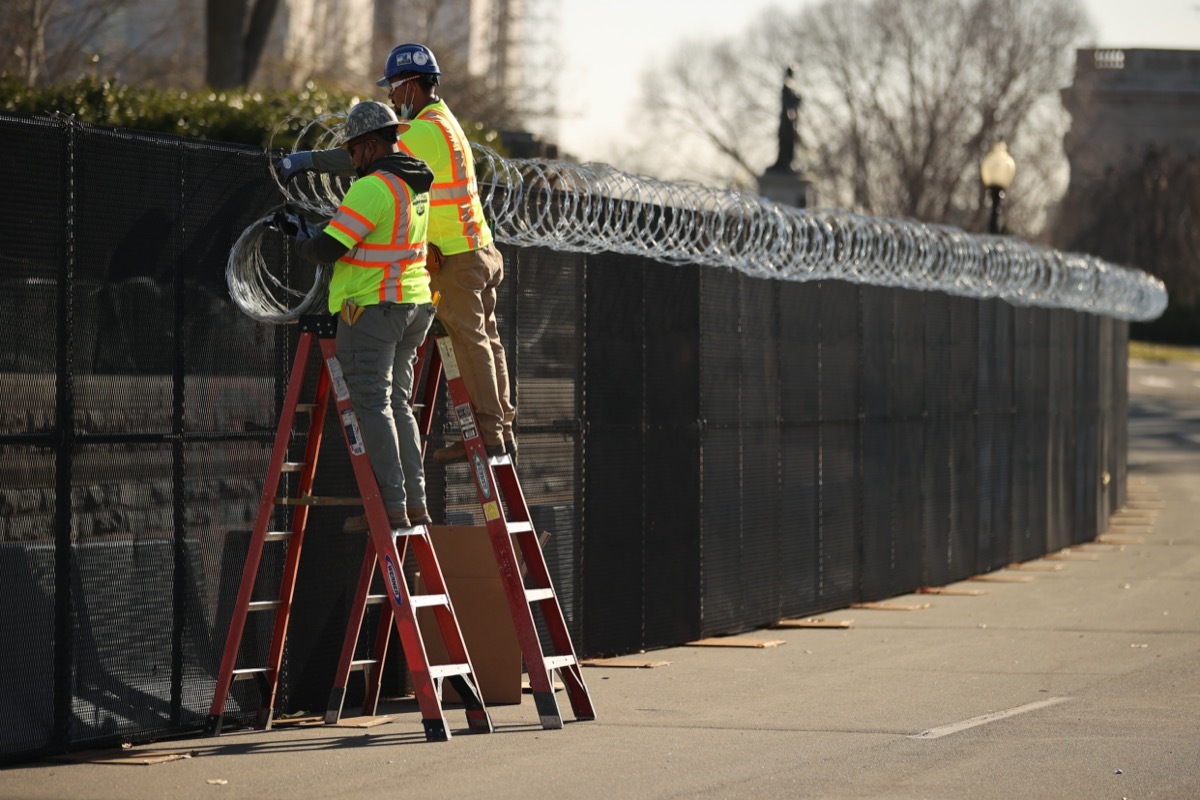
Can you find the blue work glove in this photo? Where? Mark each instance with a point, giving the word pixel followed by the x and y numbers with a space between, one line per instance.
pixel 290 223
pixel 293 164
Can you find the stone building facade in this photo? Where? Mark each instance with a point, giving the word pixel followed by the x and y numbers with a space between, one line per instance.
pixel 1124 102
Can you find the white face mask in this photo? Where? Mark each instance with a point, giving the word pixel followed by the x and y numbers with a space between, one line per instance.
pixel 406 108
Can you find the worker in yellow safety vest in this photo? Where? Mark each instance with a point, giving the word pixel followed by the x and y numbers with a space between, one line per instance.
pixel 380 291
pixel 465 265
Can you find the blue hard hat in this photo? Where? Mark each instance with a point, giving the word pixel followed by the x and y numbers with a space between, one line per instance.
pixel 408 58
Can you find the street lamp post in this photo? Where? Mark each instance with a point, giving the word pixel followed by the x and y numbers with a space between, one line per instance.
pixel 997 170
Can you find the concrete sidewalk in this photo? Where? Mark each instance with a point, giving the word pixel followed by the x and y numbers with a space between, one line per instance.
pixel 1077 676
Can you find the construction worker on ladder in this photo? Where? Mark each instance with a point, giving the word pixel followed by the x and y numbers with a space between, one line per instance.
pixel 465 264
pixel 380 291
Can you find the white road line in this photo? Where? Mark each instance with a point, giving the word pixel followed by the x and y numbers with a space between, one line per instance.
pixel 1156 381
pixel 974 722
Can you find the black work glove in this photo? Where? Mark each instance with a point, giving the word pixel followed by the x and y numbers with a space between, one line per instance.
pixel 290 223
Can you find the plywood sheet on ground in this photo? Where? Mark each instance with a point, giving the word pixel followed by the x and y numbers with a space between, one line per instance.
pixel 624 662
pixel 736 641
pixel 888 606
pixel 814 622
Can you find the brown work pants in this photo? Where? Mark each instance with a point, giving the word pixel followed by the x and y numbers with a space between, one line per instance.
pixel 467 309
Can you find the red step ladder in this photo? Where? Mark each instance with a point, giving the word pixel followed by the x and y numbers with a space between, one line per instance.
pixel 386 548
pixel 514 541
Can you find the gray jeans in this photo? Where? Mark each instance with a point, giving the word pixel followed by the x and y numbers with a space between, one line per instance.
pixel 377 354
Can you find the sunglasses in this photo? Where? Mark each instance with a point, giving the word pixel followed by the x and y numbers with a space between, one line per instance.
pixel 394 85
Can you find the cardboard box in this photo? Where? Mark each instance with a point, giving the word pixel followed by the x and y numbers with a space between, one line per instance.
pixel 477 593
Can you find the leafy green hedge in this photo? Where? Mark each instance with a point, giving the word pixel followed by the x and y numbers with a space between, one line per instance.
pixel 237 117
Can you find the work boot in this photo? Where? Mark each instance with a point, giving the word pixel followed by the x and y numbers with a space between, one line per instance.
pixel 419 516
pixel 396 519
pixel 510 446
pixel 457 451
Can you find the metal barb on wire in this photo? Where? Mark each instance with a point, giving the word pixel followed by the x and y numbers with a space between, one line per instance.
pixel 593 208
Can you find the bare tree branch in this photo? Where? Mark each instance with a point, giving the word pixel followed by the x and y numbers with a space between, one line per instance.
pixel 901 99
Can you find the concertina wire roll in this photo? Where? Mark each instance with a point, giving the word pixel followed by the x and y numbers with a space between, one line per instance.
pixel 594 208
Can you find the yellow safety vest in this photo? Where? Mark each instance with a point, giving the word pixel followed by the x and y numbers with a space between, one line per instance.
pixel 456 222
pixel 384 223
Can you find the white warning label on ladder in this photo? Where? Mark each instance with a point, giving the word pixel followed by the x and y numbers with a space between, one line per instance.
pixel 466 421
pixel 353 433
pixel 340 389
pixel 449 364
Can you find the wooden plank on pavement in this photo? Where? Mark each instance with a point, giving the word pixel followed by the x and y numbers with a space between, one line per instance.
pixel 736 641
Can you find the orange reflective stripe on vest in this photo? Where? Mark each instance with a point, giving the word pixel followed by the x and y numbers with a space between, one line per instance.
pixel 387 261
pixel 460 191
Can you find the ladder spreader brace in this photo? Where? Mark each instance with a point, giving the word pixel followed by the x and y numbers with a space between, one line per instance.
pixel 386 547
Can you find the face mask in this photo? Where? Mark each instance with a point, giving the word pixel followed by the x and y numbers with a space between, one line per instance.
pixel 361 171
pixel 406 109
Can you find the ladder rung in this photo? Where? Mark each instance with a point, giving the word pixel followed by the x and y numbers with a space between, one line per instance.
pixel 306 406
pixel 262 605
pixel 534 595
pixel 312 500
pixel 500 459
pixel 428 600
pixel 277 536
pixel 362 664
pixel 446 670
pixel 554 662
pixel 248 672
pixel 416 530
pixel 376 599
pixel 292 466
pixel 520 527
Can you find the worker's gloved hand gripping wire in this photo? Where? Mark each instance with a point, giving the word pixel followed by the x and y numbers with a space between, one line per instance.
pixel 290 223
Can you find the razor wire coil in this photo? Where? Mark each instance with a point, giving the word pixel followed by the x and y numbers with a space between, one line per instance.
pixel 595 208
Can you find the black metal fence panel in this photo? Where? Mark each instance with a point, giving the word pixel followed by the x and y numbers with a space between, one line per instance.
pixel 709 452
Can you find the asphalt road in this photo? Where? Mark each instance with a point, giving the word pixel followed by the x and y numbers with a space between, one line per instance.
pixel 1077 677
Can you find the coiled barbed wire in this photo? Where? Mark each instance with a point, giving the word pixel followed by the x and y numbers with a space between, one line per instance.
pixel 255 289
pixel 594 208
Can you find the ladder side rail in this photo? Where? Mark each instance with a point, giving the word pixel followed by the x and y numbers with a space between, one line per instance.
pixel 429 362
pixel 497 488
pixel 266 512
pixel 423 395
pixel 486 489
pixel 538 574
pixel 358 607
pixel 391 566
pixel 291 566
pixel 447 625
pixel 374 673
pixel 527 545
